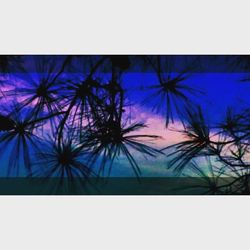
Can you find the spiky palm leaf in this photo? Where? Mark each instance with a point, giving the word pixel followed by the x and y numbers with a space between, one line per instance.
pixel 171 93
pixel 63 160
pixel 18 137
pixel 197 133
pixel 108 139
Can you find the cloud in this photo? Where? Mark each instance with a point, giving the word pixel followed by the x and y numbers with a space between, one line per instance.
pixel 156 126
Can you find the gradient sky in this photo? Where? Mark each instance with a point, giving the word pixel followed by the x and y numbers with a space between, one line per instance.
pixel 220 91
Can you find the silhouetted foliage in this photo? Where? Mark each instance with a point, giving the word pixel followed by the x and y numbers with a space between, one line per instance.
pixel 68 117
pixel 171 92
pixel 64 159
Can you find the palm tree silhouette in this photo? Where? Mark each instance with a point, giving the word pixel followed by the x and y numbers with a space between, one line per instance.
pixel 108 136
pixel 19 138
pixel 63 160
pixel 198 140
pixel 171 92
pixel 41 91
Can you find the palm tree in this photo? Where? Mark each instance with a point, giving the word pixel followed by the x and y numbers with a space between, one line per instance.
pixel 19 139
pixel 80 97
pixel 108 136
pixel 198 141
pixel 63 159
pixel 171 93
pixel 110 139
pixel 19 135
pixel 41 91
